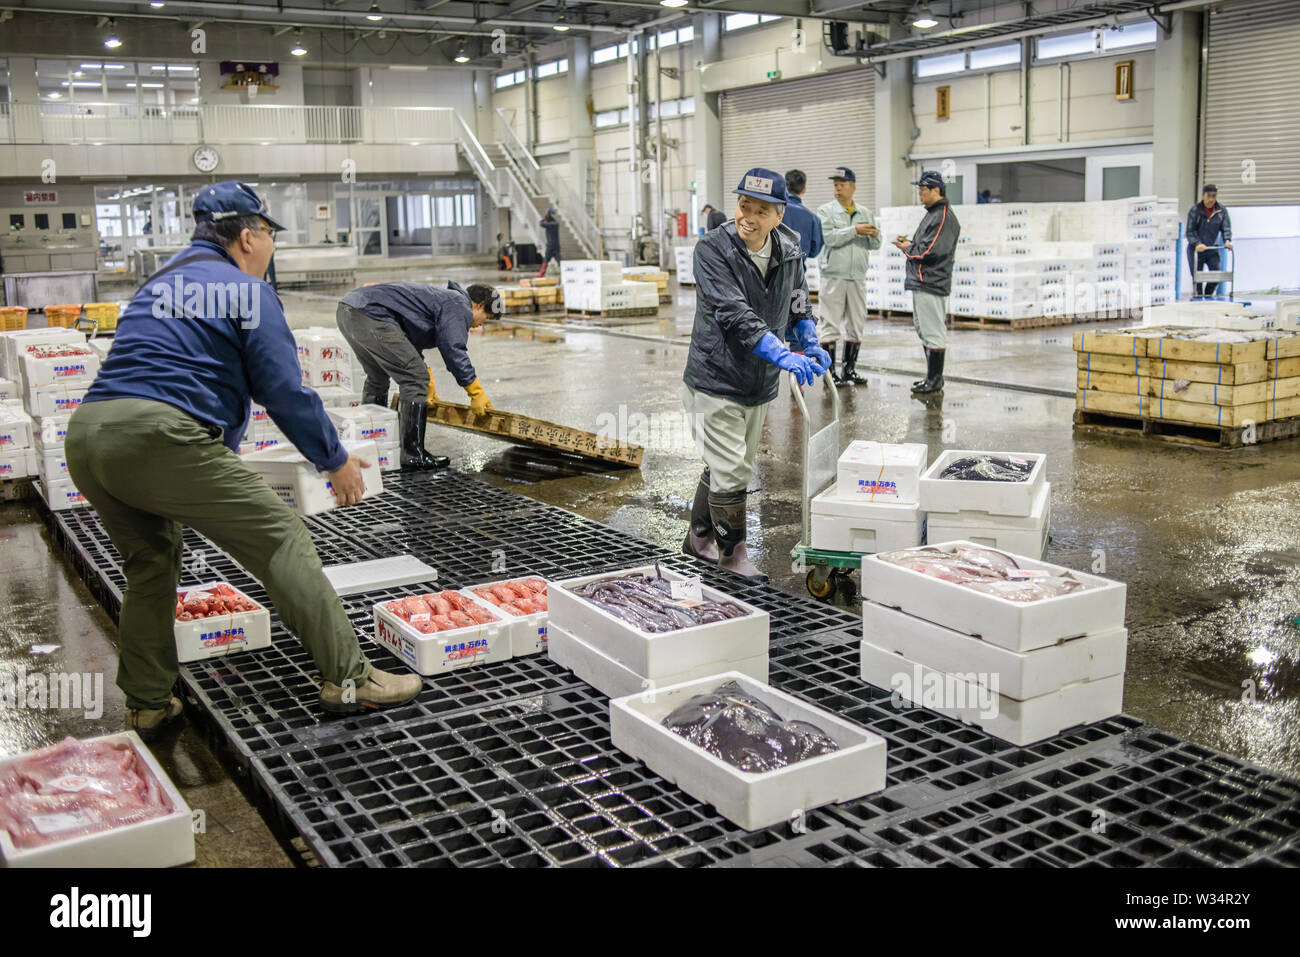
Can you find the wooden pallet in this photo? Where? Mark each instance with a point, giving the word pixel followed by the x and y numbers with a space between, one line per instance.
pixel 999 322
pixel 891 315
pixel 665 299
pixel 523 430
pixel 518 310
pixel 1183 433
pixel 613 313
pixel 16 490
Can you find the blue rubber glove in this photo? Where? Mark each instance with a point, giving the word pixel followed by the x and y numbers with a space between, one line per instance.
pixel 773 350
pixel 805 331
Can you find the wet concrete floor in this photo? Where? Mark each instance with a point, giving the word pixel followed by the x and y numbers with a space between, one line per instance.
pixel 1206 540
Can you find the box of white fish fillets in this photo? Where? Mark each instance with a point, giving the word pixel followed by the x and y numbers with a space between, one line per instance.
pixel 522 602
pixel 1008 600
pixel 657 621
pixel 443 631
pixel 93 811
pixel 1001 483
pixel 750 799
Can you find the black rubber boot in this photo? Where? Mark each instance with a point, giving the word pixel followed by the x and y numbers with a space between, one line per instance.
pixel 830 348
pixel 411 424
pixel 934 376
pixel 919 382
pixel 729 529
pixel 699 537
pixel 851 364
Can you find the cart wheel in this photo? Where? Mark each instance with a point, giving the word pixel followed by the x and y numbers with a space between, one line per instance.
pixel 846 587
pixel 820 585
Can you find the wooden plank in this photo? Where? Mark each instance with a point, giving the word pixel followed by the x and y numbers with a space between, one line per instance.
pixel 1118 365
pixel 1284 347
pixel 1183 390
pixel 529 431
pixel 1233 373
pixel 1110 343
pixel 1221 353
pixel 1192 413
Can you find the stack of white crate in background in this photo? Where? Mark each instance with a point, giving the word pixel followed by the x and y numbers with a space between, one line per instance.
pixel 1023 670
pixel 685 256
pixel 598 285
pixel 17 457
pixel 371 423
pixel 55 378
pixel 261 433
pixel 326 360
pixel 813 273
pixel 1010 516
pixel 874 504
pixel 649 274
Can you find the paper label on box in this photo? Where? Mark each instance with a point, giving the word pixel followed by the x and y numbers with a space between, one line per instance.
pixel 460 650
pixel 73 783
pixel 687 589
pixel 49 824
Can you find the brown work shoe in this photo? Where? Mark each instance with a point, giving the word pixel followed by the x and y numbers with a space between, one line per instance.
pixel 381 690
pixel 149 722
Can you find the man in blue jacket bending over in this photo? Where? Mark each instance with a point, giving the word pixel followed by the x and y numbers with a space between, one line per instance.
pixel 152 449
pixel 750 286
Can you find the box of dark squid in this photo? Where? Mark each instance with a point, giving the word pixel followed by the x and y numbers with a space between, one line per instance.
pixel 657 621
pixel 1000 483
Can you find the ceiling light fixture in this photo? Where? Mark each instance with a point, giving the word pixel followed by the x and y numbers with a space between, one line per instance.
pixel 461 55
pixel 298 48
pixel 112 41
pixel 157 4
pixel 375 14
pixel 924 19
pixel 673 3
pixel 560 26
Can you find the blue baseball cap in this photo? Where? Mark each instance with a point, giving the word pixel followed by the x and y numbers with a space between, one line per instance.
pixel 762 184
pixel 843 172
pixel 929 178
pixel 230 199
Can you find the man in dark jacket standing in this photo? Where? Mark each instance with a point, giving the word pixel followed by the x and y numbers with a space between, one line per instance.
pixel 750 285
pixel 713 217
pixel 390 324
pixel 1206 222
pixel 929 276
pixel 551 230
pixel 799 217
pixel 152 448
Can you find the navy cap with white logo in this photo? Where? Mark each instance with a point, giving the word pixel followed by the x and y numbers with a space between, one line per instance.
pixel 929 178
pixel 1210 188
pixel 843 172
pixel 230 199
pixel 762 184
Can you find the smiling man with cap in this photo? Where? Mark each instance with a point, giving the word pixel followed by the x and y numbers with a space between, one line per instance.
pixel 929 275
pixel 850 232
pixel 152 447
pixel 750 286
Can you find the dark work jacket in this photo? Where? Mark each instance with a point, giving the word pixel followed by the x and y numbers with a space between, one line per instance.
pixel 807 224
pixel 431 317
pixel 929 258
pixel 735 307
pixel 1204 227
pixel 716 219
pixel 551 227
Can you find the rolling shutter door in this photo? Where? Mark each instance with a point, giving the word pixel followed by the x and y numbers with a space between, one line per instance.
pixel 1252 73
pixel 812 125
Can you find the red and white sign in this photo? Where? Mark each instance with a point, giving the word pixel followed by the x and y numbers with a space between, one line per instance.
pixel 40 197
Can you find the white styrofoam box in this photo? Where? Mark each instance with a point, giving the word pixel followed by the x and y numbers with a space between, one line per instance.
pixel 323 348
pixel 529 634
pixel 50 432
pixel 1018 535
pixel 1017 625
pixel 319 377
pixel 16 341
pixel 166 841
pixel 81 367
pixel 663 653
pixel 62 495
pixel 257 415
pixel 102 345
pixel 57 398
pixel 900 303
pixel 1020 675
pixel 15 429
pixel 336 397
pixel 1019 722
pixel 353 578
pixel 442 651
pixel 221 634
pixel 390 456
pixel 265 435
pixel 366 422
pixel 51 465
pixel 17 463
pixel 9 389
pixel 881 471
pixel 998 498
pixel 843 524
pixel 300 486
pixel 614 679
pixel 749 800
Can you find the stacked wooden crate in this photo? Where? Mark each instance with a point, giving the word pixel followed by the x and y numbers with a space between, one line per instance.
pixel 517 299
pixel 1197 378
pixel 649 274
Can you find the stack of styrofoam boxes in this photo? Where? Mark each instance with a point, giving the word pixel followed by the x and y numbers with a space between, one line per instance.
pixel 373 423
pixel 1011 516
pixel 325 358
pixel 17 457
pixel 49 434
pixel 56 377
pixel 261 433
pixel 1022 671
pixel 648 274
pixel 619 659
pixel 874 505
pixel 685 265
pixel 9 393
pixel 587 281
pixel 813 274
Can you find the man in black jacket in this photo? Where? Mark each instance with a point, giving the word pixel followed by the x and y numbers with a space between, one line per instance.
pixel 713 218
pixel 750 285
pixel 929 276
pixel 1206 222
pixel 551 230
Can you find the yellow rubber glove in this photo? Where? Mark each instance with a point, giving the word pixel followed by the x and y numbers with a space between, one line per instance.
pixel 433 392
pixel 479 403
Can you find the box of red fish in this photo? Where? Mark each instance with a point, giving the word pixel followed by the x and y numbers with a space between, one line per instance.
pixel 1001 483
pixel 523 603
pixel 102 802
pixel 217 619
pixel 732 631
pixel 442 631
pixel 1011 601
pixel 43 364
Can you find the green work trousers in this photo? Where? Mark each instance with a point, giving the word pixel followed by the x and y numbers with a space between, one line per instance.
pixel 149 469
